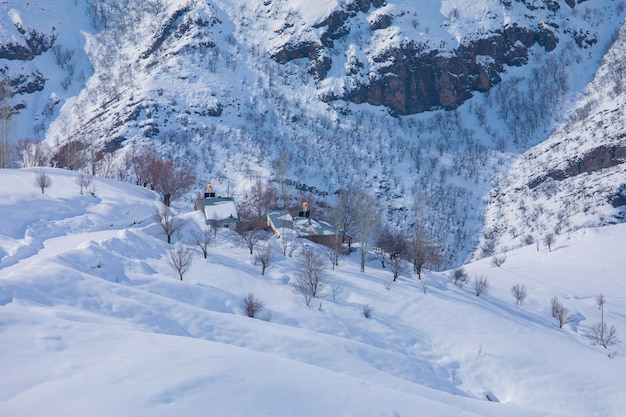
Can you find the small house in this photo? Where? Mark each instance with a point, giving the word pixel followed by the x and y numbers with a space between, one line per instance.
pixel 218 211
pixel 317 231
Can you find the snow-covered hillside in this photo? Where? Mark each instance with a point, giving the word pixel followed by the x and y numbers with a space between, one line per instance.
pixel 227 85
pixel 576 178
pixel 94 321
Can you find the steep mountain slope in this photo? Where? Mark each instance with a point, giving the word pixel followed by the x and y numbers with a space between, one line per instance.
pixel 226 86
pixel 95 322
pixel 576 178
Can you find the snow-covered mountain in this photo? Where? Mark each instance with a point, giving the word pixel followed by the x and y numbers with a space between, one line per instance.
pixel 426 103
pixel 573 180
pixel 95 322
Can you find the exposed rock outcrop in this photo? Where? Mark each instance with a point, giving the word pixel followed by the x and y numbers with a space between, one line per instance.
pixel 599 158
pixel 412 77
pixel 418 80
pixel 33 43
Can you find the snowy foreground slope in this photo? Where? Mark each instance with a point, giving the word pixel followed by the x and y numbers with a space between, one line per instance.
pixel 94 322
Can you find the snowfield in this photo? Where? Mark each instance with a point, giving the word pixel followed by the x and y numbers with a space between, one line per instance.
pixel 93 321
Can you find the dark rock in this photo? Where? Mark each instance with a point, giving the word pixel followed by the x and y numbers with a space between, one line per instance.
pixel 416 80
pixel 618 199
pixel 336 26
pixel 320 63
pixel 364 5
pixel 165 31
pixel 597 159
pixel 216 110
pixel 382 21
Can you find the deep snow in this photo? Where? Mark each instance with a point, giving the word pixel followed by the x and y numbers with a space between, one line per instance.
pixel 94 322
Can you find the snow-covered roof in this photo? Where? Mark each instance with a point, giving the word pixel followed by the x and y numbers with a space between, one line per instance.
pixel 280 219
pixel 220 208
pixel 306 226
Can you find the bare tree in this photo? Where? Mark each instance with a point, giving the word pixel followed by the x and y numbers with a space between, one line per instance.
pixel 343 213
pixel 281 167
pixel 140 162
pixel 549 240
pixel 460 277
pixel 43 180
pixel 288 241
pixel 170 224
pixel 481 285
pixel 310 281
pixel 366 215
pixel 170 181
pixel 261 197
pixel 83 181
pixel 560 312
pixel 600 333
pixel 180 259
pixel 519 292
pixel 603 335
pixel 333 254
pixel 6 111
pixel 203 238
pixel 249 235
pixel 252 305
pixel 264 257
pixel 423 252
pixel 397 266
pixel 31 153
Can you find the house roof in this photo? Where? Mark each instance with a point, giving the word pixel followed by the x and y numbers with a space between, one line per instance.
pixel 220 208
pixel 280 219
pixel 311 227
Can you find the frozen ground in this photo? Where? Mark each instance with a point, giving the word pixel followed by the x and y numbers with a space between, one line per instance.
pixel 94 322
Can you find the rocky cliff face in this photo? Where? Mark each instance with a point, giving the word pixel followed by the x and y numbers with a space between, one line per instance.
pixel 415 81
pixel 29 44
pixel 413 75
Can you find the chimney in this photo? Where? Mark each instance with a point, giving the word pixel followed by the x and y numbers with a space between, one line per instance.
pixel 209 193
pixel 305 211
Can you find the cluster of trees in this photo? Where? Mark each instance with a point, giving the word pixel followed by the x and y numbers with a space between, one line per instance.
pixel 170 180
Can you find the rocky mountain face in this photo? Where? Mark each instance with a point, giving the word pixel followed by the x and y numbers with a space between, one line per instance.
pixel 416 75
pixel 424 105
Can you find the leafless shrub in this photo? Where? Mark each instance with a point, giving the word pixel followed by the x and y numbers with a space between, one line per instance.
pixel 43 180
pixel 498 261
pixel 603 335
pixel 389 283
pixel 264 257
pixel 560 312
pixel 367 311
pixel 252 305
pixel 180 259
pixel 460 277
pixel 519 293
pixel 481 285
pixel 335 290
